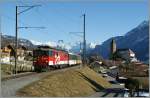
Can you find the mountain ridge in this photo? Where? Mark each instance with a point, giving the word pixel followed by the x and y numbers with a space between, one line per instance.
pixel 136 39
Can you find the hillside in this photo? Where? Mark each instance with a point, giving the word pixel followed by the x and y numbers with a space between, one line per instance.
pixel 77 82
pixel 137 39
pixel 7 39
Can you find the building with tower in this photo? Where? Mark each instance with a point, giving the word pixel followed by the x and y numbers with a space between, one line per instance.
pixel 113 46
pixel 113 49
pixel 121 54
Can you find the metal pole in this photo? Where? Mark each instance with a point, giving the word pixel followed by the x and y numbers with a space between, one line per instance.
pixel 0 33
pixel 84 41
pixel 80 48
pixel 16 40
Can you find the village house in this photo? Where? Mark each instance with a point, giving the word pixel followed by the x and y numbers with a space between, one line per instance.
pixel 21 53
pixel 126 54
pixel 8 53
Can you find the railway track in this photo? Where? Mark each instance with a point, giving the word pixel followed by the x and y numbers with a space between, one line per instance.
pixel 17 75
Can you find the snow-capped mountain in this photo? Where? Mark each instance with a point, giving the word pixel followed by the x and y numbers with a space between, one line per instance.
pixel 91 45
pixel 137 39
pixel 36 42
pixel 52 44
pixel 78 48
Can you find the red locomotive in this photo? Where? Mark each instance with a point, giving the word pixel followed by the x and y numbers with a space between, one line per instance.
pixel 46 57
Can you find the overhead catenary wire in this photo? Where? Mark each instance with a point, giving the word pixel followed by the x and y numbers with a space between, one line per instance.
pixel 41 18
pixel 45 20
pixel 54 25
pixel 13 19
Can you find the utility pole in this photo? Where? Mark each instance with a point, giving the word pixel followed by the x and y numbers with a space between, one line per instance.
pixel 84 42
pixel 80 48
pixel 16 41
pixel 16 38
pixel 0 39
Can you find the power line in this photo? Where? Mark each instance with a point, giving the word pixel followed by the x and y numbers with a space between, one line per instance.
pixel 59 28
pixel 54 25
pixel 31 27
pixel 13 19
pixel 30 7
pixel 45 20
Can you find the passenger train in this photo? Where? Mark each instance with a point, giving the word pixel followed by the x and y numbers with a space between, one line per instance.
pixel 45 57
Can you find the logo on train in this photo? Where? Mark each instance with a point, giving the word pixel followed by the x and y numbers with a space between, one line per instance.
pixel 57 59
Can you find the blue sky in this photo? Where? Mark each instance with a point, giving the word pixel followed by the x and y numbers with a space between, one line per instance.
pixel 103 19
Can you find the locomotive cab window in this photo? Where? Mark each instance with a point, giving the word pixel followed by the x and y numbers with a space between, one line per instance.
pixel 41 53
pixel 50 53
pixel 44 53
pixel 36 53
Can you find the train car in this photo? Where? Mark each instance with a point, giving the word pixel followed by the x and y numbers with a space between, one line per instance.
pixel 74 59
pixel 79 60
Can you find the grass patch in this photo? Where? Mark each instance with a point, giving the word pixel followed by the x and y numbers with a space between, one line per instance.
pixel 71 83
pixel 7 69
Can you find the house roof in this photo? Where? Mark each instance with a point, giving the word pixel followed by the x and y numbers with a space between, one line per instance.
pixel 46 47
pixel 125 49
pixel 13 46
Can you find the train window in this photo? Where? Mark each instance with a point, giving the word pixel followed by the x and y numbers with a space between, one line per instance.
pixel 50 53
pixel 37 53
pixel 53 52
pixel 44 53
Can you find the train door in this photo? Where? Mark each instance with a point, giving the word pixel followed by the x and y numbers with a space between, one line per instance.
pixel 50 59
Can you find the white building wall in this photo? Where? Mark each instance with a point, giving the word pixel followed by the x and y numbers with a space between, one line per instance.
pixel 5 60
